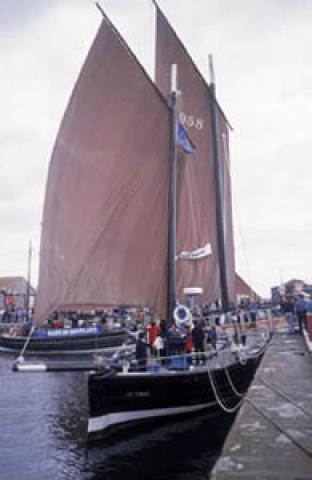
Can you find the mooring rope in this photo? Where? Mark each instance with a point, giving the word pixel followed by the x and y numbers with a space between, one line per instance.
pixel 218 398
pixel 237 393
pixel 240 395
pixel 20 358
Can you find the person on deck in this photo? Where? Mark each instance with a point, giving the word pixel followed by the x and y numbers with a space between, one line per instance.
pixel 141 352
pixel 152 332
pixel 188 340
pixel 158 346
pixel 198 340
pixel 212 337
pixel 175 341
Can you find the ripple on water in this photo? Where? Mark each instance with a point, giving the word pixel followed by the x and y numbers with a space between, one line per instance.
pixel 43 436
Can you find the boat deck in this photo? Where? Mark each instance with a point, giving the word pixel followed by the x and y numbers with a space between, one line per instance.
pixel 272 435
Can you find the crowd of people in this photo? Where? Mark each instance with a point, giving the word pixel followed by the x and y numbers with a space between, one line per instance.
pixel 13 315
pixel 160 341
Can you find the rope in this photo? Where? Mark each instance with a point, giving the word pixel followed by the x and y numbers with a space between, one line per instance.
pixel 219 401
pixel 237 393
pixel 234 389
pixel 20 358
pixel 123 346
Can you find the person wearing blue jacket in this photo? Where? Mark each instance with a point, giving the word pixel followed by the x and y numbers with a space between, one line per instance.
pixel 288 308
pixel 301 308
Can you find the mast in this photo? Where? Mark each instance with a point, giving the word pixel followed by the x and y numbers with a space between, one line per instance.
pixel 172 206
pixel 28 279
pixel 218 202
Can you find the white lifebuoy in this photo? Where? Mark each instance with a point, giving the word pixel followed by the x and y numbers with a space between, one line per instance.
pixel 182 315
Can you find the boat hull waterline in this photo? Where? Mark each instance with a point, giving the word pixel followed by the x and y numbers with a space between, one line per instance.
pixel 107 341
pixel 124 399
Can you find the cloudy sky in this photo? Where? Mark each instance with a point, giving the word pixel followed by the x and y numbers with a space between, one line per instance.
pixel 262 53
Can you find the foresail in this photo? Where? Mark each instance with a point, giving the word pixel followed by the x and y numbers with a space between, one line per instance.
pixel 196 216
pixel 104 232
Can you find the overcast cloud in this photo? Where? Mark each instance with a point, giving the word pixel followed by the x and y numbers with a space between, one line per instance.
pixel 262 55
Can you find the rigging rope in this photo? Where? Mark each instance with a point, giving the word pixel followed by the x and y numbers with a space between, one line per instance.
pixel 243 251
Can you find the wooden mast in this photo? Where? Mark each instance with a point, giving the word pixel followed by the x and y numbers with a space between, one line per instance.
pixel 218 202
pixel 28 280
pixel 172 205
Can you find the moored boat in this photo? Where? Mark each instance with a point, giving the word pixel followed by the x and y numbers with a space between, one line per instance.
pixel 119 400
pixel 67 341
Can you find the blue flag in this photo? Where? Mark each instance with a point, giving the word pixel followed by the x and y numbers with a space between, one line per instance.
pixel 183 140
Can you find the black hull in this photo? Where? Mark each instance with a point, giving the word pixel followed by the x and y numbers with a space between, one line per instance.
pixel 69 345
pixel 126 400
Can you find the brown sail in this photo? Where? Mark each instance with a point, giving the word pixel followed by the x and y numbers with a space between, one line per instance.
pixel 104 231
pixel 196 217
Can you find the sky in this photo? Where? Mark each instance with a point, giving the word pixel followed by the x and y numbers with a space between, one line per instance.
pixel 262 52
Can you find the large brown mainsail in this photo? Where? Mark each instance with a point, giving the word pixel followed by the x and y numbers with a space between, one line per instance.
pixel 196 217
pixel 104 232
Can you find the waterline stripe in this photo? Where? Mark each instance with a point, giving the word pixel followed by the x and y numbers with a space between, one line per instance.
pixel 97 424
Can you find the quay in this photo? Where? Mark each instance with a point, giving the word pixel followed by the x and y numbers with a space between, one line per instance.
pixel 271 438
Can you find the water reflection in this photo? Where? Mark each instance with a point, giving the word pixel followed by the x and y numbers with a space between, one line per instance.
pixel 185 449
pixel 43 436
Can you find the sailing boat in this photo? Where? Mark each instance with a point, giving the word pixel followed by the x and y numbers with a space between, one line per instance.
pixel 126 209
pixel 83 339
pixel 89 338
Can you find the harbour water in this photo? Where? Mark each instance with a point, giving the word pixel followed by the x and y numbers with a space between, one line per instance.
pixel 43 418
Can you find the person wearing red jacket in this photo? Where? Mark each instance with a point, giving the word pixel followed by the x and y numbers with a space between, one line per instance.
pixel 152 332
pixel 188 340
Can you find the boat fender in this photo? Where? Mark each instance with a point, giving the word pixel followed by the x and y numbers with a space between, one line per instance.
pixel 242 356
pixel 182 315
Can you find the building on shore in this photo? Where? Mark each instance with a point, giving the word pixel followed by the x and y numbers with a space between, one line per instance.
pixel 244 292
pixel 293 287
pixel 15 292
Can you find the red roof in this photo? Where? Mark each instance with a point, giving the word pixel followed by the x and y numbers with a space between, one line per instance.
pixel 242 288
pixel 9 283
